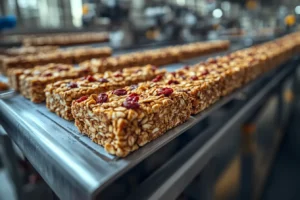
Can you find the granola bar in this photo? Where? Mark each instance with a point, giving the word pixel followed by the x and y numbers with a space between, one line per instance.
pixel 29 50
pixel 71 56
pixel 60 95
pixel 124 120
pixel 157 57
pixel 33 81
pixel 66 39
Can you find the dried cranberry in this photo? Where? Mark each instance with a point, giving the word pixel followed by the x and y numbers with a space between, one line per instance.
pixel 165 91
pixel 90 78
pixel 181 73
pixel 118 75
pixel 212 60
pixel 133 97
pixel 186 67
pixel 205 72
pixel 102 98
pixel 73 85
pixel 157 78
pixel 174 74
pixel 47 74
pixel 131 104
pixel 194 78
pixel 132 87
pixel 81 99
pixel 173 82
pixel 120 92
pixel 86 71
pixel 102 80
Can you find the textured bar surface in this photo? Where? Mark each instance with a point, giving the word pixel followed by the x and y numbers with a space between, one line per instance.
pixel 33 82
pixel 60 95
pixel 66 39
pixel 124 123
pixel 157 57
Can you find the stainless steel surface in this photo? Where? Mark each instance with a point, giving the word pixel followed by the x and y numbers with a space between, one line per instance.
pixel 72 165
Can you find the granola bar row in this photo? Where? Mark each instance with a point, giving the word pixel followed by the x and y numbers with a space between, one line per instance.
pixel 66 39
pixel 70 56
pixel 27 50
pixel 125 119
pixel 156 57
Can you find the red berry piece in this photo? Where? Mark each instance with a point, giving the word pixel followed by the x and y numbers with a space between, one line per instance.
pixel 212 60
pixel 73 85
pixel 81 99
pixel 102 98
pixel 131 101
pixel 157 78
pixel 173 82
pixel 120 92
pixel 90 78
pixel 118 74
pixel 194 78
pixel 102 80
pixel 133 97
pixel 205 72
pixel 131 104
pixel 47 74
pixel 186 67
pixel 165 91
pixel 181 73
pixel 87 71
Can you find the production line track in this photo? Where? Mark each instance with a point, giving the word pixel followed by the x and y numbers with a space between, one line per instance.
pixel 72 165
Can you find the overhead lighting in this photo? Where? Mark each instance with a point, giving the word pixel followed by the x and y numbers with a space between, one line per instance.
pixel 217 13
pixel 297 10
pixel 181 2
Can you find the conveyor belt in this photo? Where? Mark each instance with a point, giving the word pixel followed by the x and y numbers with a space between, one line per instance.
pixel 72 165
